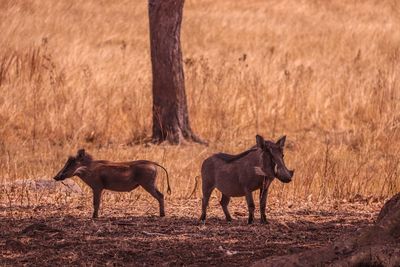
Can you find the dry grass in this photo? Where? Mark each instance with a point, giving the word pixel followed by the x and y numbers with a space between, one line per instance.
pixel 325 73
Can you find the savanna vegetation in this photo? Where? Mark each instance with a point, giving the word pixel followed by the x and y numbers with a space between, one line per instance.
pixel 77 74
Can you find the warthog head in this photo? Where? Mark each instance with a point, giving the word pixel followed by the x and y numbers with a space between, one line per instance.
pixel 74 166
pixel 272 159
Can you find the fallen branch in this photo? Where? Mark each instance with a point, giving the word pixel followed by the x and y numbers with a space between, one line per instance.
pixel 153 234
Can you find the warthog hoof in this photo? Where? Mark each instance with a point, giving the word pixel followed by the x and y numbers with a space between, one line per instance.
pixel 264 220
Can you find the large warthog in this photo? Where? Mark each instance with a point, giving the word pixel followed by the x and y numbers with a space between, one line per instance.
pixel 115 176
pixel 240 175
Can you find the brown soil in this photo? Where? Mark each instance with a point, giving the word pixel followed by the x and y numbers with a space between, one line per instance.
pixel 64 234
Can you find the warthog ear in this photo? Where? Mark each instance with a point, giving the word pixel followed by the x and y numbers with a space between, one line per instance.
pixel 281 141
pixel 80 154
pixel 260 141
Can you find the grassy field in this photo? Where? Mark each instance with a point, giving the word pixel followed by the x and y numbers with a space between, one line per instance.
pixel 325 73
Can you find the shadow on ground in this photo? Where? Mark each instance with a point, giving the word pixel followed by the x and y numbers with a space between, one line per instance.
pixel 74 239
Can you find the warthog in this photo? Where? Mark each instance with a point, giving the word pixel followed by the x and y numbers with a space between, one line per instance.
pixel 240 175
pixel 115 176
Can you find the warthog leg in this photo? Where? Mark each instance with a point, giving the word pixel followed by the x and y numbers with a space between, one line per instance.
pixel 250 205
pixel 157 195
pixel 263 199
pixel 204 202
pixel 96 202
pixel 224 203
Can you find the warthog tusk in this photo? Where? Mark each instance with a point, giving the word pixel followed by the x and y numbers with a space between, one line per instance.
pixel 259 171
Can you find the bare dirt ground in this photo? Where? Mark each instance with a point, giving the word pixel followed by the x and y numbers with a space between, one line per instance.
pixel 133 234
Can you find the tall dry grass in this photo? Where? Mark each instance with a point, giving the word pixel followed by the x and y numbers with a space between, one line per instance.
pixel 325 73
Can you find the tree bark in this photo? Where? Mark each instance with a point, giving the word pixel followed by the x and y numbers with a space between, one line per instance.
pixel 170 112
pixel 377 245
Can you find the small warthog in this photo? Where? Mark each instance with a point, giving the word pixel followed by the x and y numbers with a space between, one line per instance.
pixel 240 175
pixel 115 176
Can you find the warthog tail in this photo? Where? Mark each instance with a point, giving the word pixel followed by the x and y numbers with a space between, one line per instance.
pixel 166 172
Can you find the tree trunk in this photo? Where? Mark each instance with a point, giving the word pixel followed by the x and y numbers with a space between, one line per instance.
pixel 170 112
pixel 377 245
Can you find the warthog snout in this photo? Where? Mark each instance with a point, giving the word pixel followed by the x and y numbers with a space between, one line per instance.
pixel 69 168
pixel 58 178
pixel 276 152
pixel 287 177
